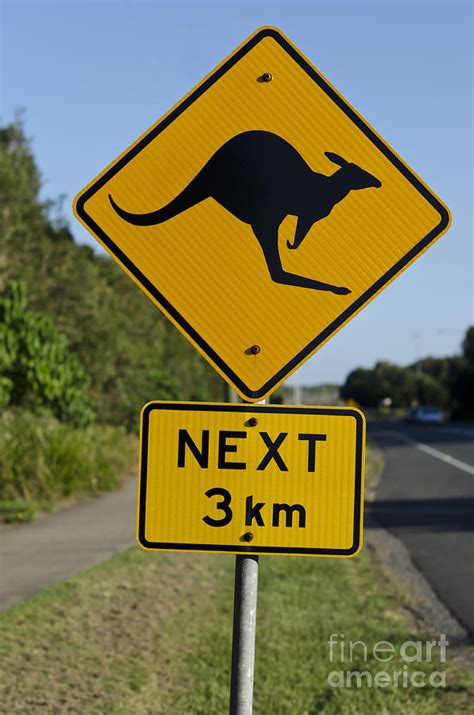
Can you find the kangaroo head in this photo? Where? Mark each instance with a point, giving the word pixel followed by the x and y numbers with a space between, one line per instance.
pixel 356 177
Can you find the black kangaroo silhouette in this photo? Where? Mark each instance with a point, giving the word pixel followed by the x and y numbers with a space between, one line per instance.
pixel 260 178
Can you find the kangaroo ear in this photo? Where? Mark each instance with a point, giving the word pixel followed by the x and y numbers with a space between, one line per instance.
pixel 336 158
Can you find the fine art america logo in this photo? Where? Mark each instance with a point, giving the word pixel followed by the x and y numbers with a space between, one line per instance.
pixel 402 663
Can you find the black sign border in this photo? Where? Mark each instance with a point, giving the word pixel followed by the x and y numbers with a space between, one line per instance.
pixel 249 410
pixel 345 315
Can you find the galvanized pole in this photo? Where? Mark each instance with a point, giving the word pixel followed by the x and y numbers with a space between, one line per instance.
pixel 243 638
pixel 243 635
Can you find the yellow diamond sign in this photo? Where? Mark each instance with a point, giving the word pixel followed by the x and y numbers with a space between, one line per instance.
pixel 261 213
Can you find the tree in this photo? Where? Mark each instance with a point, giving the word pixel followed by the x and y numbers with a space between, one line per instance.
pixel 463 380
pixel 38 369
pixel 468 346
pixel 360 385
pixel 447 382
pixel 119 337
pixel 430 391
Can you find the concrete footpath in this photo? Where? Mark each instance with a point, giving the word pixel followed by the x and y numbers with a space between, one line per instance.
pixel 58 545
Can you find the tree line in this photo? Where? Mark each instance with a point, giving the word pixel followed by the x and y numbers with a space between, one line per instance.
pixel 445 382
pixel 76 335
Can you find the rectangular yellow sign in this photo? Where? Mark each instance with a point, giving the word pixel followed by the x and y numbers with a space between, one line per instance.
pixel 239 478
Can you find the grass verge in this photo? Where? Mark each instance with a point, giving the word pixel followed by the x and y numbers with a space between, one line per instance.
pixel 151 633
pixel 43 461
pixel 374 464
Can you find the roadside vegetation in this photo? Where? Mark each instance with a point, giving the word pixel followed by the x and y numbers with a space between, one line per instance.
pixel 44 461
pixel 81 351
pixel 445 382
pixel 128 351
pixel 374 464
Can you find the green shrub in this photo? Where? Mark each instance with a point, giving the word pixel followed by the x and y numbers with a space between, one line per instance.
pixel 38 369
pixel 43 460
pixel 18 510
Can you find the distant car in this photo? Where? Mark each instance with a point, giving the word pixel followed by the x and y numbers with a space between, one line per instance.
pixel 426 415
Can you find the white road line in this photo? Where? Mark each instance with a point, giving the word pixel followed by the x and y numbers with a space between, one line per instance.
pixel 428 450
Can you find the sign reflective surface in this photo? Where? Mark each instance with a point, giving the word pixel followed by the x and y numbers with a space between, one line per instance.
pixel 256 479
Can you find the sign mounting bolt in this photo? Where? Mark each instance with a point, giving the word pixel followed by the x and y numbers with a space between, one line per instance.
pixel 255 349
pixel 267 76
pixel 248 536
pixel 253 422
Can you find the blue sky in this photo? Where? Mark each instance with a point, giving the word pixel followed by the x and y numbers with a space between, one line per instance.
pixel 92 76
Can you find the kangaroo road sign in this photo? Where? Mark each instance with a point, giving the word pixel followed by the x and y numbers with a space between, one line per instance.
pixel 261 213
pixel 260 479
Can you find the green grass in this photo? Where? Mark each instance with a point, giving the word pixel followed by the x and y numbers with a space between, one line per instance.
pixel 151 633
pixel 17 510
pixel 43 461
pixel 374 463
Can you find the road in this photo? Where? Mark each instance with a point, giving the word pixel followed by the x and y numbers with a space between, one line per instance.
pixel 58 545
pixel 426 498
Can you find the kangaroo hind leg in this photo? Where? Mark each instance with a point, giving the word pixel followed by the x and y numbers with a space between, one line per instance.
pixel 269 243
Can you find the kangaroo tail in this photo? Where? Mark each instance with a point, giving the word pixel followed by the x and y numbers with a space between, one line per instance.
pixel 187 198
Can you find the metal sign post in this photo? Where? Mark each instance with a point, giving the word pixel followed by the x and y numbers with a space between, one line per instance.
pixel 243 636
pixel 244 628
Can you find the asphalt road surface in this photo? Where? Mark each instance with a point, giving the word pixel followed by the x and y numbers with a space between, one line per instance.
pixel 55 546
pixel 426 498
